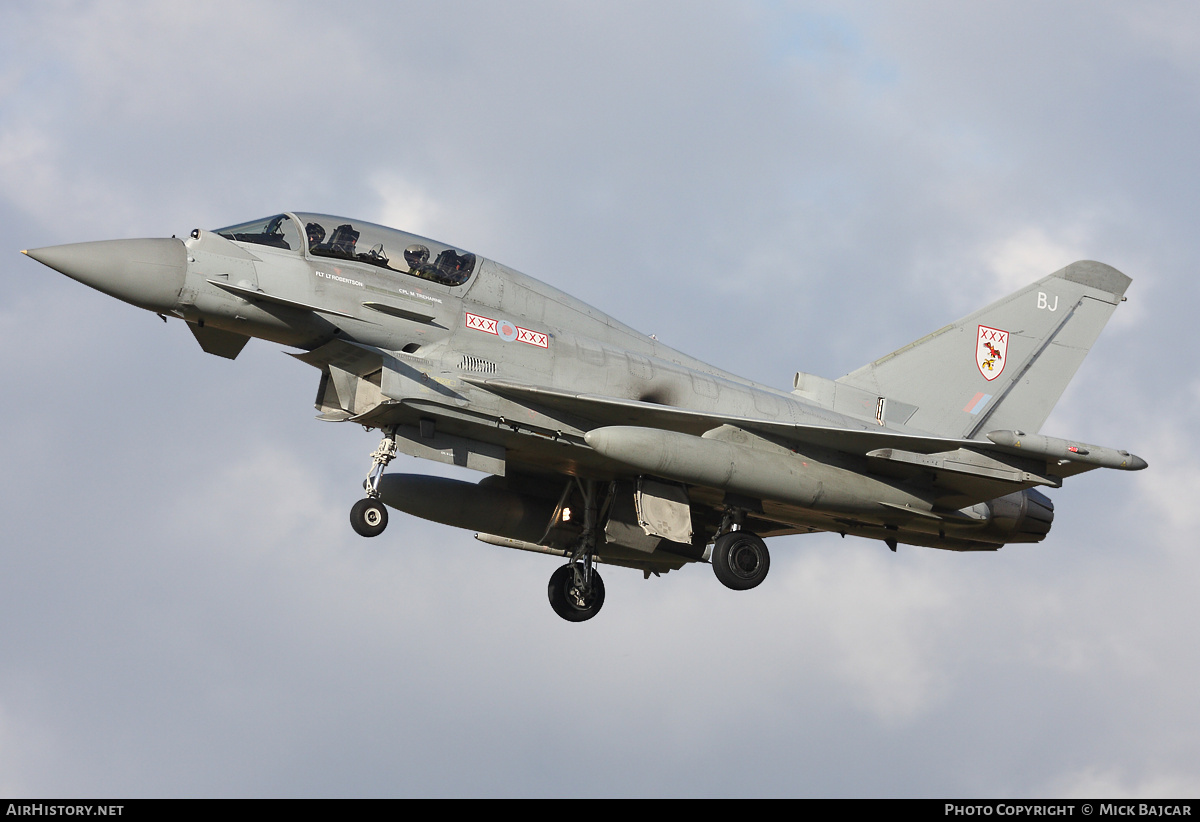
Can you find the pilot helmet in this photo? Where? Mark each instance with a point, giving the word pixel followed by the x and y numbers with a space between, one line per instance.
pixel 316 233
pixel 415 255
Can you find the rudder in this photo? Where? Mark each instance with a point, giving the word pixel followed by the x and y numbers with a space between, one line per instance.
pixel 1004 366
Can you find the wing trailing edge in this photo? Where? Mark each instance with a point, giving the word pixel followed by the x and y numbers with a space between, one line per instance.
pixel 1054 457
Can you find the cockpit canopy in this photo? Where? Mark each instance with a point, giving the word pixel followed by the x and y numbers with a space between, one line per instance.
pixel 322 235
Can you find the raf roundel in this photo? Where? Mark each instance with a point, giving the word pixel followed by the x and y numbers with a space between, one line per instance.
pixel 506 331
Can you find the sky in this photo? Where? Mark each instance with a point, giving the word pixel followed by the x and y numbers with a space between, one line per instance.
pixel 769 186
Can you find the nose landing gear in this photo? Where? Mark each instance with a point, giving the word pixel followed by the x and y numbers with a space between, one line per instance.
pixel 369 517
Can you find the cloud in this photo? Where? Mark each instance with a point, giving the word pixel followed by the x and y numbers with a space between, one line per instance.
pixel 1030 254
pixel 769 188
pixel 1093 783
pixel 889 663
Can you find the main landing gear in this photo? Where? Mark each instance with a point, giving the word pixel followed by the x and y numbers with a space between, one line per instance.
pixel 576 591
pixel 740 559
pixel 369 516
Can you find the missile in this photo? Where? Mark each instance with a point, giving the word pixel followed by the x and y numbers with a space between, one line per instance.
pixel 521 545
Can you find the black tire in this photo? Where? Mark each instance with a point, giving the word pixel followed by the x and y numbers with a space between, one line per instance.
pixel 740 560
pixel 562 582
pixel 368 517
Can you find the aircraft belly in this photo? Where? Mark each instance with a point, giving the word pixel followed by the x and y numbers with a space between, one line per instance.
pixel 539 449
pixel 426 442
pixel 798 492
pixel 482 444
pixel 913 531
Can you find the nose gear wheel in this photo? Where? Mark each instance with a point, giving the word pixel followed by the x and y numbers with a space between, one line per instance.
pixel 368 517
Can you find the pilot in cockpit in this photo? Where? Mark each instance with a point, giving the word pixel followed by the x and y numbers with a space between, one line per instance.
pixel 316 234
pixel 417 257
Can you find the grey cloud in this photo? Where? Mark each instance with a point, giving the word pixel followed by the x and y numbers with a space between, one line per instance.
pixel 770 187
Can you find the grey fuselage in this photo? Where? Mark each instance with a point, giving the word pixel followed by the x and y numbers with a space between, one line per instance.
pixel 503 373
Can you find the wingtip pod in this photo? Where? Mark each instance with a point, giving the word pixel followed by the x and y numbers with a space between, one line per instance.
pixel 1095 275
pixel 1037 445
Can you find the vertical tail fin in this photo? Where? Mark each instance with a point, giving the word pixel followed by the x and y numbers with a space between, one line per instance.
pixel 1005 366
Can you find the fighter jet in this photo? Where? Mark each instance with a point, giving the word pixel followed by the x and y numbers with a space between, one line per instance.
pixel 603 445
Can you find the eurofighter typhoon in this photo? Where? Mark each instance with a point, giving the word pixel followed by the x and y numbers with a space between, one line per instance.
pixel 602 445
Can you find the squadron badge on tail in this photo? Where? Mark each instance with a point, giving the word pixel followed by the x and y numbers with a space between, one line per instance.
pixel 990 348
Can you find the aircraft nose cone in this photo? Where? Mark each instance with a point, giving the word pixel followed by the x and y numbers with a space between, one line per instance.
pixel 147 273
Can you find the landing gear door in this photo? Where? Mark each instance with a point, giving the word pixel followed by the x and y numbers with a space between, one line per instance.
pixel 663 510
